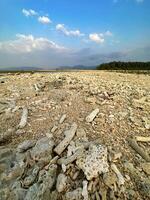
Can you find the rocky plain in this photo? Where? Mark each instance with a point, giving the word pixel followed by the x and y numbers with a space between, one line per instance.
pixel 74 135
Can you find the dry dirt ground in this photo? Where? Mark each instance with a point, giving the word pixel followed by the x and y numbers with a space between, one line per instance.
pixel 123 101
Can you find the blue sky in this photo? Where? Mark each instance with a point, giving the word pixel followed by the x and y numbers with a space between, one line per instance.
pixel 66 32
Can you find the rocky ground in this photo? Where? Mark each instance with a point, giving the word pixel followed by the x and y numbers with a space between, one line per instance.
pixel 74 135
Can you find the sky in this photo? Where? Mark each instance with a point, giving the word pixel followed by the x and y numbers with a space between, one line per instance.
pixel 52 33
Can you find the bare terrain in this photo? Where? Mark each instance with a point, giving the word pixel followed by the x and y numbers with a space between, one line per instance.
pixel 87 132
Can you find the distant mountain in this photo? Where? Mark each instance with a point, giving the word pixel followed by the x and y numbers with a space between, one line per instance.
pixel 20 69
pixel 78 67
pixel 23 68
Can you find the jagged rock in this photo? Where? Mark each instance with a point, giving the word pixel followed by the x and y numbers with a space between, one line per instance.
pixel 61 182
pixel 93 161
pixel 26 145
pixel 42 148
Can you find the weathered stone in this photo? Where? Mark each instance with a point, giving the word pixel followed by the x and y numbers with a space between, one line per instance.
pixel 42 189
pixel 61 182
pixel 23 120
pixel 20 158
pixel 62 119
pixel 110 179
pixel 81 133
pixel 65 142
pixel 92 115
pixel 42 148
pixel 85 190
pixel 54 129
pixel 26 145
pixel 93 161
pixel 19 193
pixel 120 178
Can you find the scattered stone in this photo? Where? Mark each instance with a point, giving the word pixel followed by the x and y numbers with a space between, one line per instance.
pixel 62 119
pixel 78 168
pixel 71 158
pixel 121 180
pixel 42 148
pixel 138 149
pixel 142 139
pixel 65 142
pixel 85 191
pixel 93 161
pixel 24 117
pixel 61 183
pixel 26 145
pixel 92 115
pixel 54 129
pixel 81 133
pixel 110 179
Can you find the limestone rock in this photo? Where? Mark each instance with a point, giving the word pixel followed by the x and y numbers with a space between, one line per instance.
pixel 93 161
pixel 92 115
pixel 62 119
pixel 61 183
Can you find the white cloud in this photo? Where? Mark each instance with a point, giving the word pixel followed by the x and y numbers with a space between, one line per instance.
pixel 108 33
pixel 64 30
pixel 29 12
pixel 44 20
pixel 28 43
pixel 98 38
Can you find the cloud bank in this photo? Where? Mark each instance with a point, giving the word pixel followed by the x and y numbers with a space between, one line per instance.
pixel 27 44
pixel 65 31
